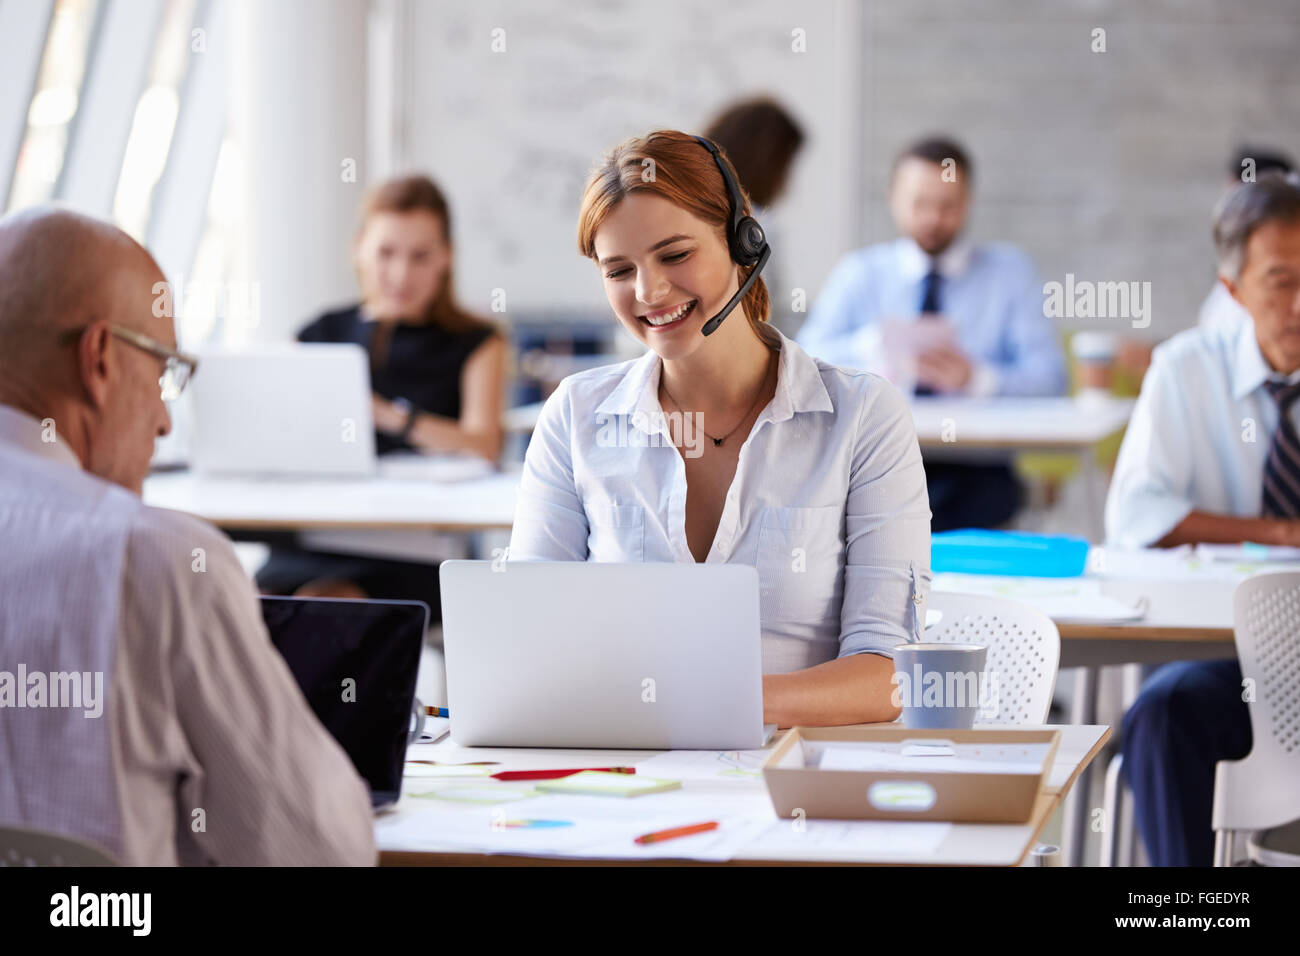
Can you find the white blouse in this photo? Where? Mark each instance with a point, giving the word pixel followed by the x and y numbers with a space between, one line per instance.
pixel 828 502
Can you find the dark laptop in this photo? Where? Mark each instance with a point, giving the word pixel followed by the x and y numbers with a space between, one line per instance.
pixel 374 644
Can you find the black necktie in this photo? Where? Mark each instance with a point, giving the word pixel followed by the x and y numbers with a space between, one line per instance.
pixel 929 303
pixel 930 292
pixel 1282 469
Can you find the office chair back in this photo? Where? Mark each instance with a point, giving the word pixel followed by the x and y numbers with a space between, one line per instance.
pixel 24 847
pixel 1024 652
pixel 1262 790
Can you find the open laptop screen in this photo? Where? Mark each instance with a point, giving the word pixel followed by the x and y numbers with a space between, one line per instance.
pixel 356 662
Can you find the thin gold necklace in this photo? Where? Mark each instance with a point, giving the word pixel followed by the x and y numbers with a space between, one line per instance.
pixel 762 390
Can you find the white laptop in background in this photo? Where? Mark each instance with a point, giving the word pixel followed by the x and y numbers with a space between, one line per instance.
pixel 580 654
pixel 300 410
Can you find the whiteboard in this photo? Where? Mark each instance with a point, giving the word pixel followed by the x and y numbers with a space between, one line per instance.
pixel 512 135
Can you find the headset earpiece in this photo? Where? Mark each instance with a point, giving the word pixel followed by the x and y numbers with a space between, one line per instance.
pixel 745 238
pixel 748 241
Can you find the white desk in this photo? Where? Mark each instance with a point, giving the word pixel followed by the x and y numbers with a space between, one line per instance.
pixel 1188 617
pixel 523 418
pixel 404 836
pixel 1188 605
pixel 476 504
pixel 965 428
pixel 1018 424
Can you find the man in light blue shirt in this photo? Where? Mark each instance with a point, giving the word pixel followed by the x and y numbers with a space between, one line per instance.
pixel 1212 454
pixel 990 296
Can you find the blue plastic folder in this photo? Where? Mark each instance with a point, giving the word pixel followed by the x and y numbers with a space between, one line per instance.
pixel 1013 553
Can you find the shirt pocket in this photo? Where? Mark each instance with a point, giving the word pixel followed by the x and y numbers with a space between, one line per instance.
pixel 616 533
pixel 801 564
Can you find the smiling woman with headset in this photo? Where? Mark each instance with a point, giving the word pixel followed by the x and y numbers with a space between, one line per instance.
pixel 807 471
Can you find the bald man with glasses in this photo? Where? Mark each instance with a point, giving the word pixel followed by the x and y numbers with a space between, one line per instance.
pixel 188 740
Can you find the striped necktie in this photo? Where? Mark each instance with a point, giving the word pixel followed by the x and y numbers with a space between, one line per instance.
pixel 1282 469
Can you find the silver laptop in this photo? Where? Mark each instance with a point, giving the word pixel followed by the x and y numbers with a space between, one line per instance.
pixel 621 656
pixel 283 410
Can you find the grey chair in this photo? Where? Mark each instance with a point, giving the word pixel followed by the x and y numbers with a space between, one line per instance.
pixel 1260 793
pixel 24 847
pixel 1024 652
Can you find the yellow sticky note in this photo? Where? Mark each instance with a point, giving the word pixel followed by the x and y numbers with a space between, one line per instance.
pixel 602 783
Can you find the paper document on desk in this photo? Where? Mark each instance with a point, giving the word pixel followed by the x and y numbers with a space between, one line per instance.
pixel 414 768
pixel 1203 563
pixel 740 818
pixel 705 765
pixel 877 840
pixel 581 826
pixel 963 758
pixel 1247 551
pixel 1064 600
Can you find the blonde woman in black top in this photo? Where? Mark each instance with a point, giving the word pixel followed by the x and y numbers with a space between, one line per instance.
pixel 438 375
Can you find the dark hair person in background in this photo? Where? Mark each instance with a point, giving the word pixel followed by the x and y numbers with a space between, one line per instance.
pixel 761 139
pixel 438 375
pixel 1245 165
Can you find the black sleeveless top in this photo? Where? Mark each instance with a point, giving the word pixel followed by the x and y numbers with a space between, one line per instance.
pixel 421 363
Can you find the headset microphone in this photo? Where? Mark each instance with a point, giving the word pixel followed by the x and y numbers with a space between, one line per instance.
pixel 745 239
pixel 713 323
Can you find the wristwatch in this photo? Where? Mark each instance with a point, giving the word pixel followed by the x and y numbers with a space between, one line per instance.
pixel 411 413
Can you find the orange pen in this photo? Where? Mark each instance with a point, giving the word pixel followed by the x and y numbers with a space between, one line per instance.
pixel 661 835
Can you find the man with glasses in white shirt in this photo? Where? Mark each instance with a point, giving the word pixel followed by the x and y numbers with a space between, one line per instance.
pixel 1212 455
pixel 200 748
pixel 1245 165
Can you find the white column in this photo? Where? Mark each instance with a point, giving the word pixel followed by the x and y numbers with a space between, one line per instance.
pixel 117 69
pixel 298 115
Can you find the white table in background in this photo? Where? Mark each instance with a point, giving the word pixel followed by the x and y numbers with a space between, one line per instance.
pixel 1017 424
pixel 523 418
pixel 975 428
pixel 398 834
pixel 970 428
pixel 381 503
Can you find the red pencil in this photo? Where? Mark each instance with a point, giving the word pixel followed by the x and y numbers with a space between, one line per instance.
pixel 661 835
pixel 554 774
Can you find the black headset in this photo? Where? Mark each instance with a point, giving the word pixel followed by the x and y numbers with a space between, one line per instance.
pixel 745 238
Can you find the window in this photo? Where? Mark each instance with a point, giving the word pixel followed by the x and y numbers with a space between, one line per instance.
pixel 54 104
pixel 155 120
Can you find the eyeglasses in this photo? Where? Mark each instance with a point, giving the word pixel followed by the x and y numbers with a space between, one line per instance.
pixel 179 367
